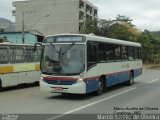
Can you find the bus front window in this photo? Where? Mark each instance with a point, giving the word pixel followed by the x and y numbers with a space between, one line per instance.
pixel 63 59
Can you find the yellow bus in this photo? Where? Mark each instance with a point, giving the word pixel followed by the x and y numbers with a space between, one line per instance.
pixel 19 64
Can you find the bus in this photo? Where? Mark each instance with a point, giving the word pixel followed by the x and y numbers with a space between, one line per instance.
pixel 19 64
pixel 81 64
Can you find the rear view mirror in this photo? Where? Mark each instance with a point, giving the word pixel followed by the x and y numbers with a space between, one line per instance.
pixel 35 46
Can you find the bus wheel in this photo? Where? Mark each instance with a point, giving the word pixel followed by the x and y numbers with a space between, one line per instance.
pixel 0 85
pixel 101 87
pixel 131 79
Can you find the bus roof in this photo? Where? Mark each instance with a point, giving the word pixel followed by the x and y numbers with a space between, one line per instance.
pixel 93 37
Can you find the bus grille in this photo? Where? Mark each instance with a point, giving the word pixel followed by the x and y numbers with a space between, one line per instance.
pixel 59 82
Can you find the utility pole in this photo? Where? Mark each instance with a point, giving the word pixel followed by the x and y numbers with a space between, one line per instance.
pixel 23 37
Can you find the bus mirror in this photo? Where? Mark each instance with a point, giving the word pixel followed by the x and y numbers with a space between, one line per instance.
pixel 35 46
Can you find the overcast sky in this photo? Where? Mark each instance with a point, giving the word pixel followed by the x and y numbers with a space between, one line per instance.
pixel 145 13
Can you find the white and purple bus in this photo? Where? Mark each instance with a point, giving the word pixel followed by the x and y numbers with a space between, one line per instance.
pixel 81 64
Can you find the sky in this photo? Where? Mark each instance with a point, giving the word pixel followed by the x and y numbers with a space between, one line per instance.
pixel 144 13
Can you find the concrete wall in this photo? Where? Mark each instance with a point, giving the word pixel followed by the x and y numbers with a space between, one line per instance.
pixel 48 16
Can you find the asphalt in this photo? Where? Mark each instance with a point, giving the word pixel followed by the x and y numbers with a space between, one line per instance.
pixel 30 103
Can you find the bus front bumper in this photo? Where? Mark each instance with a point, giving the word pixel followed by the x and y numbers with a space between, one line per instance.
pixel 78 88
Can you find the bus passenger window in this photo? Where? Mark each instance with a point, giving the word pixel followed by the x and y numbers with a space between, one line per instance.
pixel 31 56
pixel 39 54
pixel 110 52
pixel 130 53
pixel 136 53
pixel 125 52
pixel 102 52
pixel 16 55
pixel 91 54
pixel 140 53
pixel 3 55
pixel 117 52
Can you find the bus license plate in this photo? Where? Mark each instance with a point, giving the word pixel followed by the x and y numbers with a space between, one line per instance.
pixel 58 89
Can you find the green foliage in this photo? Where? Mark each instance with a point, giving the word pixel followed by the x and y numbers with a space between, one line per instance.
pixel 120 19
pixel 119 28
pixel 150 46
pixel 123 31
pixel 104 27
pixel 122 28
pixel 90 27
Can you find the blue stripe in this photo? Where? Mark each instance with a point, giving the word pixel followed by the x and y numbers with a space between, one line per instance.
pixel 92 85
pixel 137 72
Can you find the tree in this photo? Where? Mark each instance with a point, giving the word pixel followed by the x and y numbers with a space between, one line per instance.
pixel 90 27
pixel 150 47
pixel 120 19
pixel 120 28
pixel 123 31
pixel 104 27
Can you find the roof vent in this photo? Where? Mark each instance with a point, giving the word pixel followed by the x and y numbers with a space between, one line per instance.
pixel 92 34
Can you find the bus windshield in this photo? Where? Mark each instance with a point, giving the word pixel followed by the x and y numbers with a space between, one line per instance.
pixel 63 59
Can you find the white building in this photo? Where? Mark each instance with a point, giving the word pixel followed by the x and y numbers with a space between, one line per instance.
pixel 53 16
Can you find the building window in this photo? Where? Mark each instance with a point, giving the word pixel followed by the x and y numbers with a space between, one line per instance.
pixel 95 12
pixel 81 4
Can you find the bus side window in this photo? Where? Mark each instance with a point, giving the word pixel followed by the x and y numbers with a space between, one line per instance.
pixel 117 52
pixel 110 52
pixel 136 53
pixel 102 52
pixel 16 55
pixel 4 55
pixel 31 56
pixel 130 53
pixel 125 52
pixel 39 54
pixel 140 53
pixel 91 54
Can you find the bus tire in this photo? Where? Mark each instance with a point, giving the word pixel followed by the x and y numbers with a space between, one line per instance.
pixel 101 87
pixel 0 85
pixel 131 78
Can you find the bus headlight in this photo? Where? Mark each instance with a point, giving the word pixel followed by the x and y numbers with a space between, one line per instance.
pixel 41 78
pixel 81 77
pixel 79 80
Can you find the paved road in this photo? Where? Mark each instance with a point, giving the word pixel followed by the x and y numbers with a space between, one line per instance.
pixel 143 97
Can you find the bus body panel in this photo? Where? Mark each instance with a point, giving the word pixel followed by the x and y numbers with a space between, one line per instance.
pixel 20 67
pixel 13 79
pixel 78 88
pixel 15 74
pixel 115 72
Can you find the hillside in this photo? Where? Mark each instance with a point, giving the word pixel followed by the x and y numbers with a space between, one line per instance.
pixel 7 25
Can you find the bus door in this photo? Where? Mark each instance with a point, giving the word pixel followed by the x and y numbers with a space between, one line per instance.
pixel 92 58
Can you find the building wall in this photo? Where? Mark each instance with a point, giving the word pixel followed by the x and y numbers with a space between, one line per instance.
pixel 51 16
